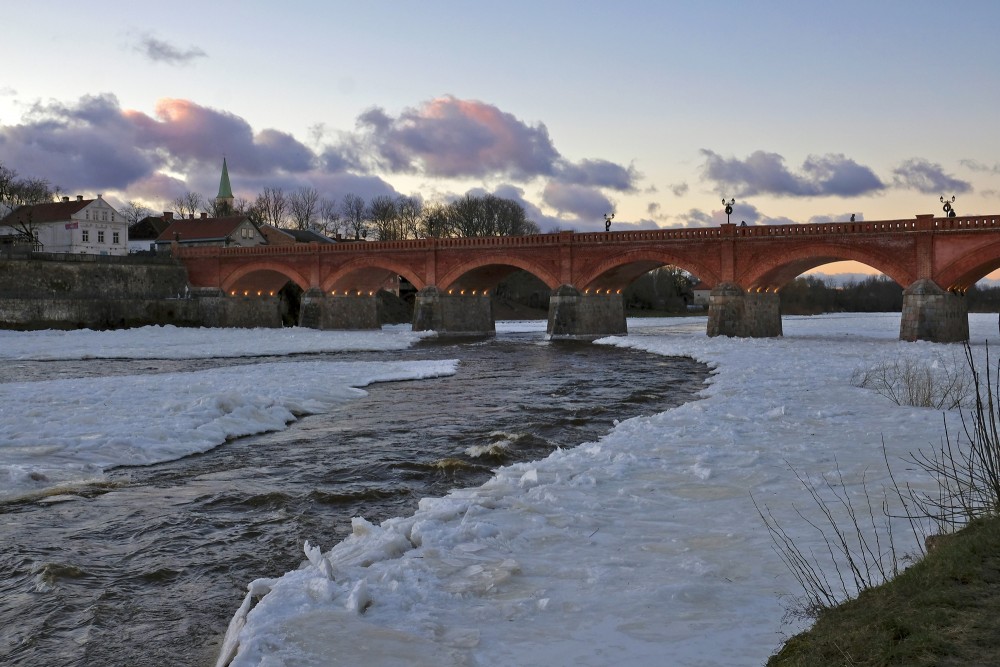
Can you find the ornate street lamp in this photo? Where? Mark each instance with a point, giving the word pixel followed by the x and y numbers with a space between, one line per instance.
pixel 607 221
pixel 949 211
pixel 729 207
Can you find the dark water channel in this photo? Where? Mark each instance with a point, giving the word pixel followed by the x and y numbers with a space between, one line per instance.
pixel 149 570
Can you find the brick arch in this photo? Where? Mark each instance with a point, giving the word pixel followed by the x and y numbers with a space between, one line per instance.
pixel 233 279
pixel 969 269
pixel 777 266
pixel 620 270
pixel 498 260
pixel 370 264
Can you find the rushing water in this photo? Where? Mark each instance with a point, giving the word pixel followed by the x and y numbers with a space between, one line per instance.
pixel 148 569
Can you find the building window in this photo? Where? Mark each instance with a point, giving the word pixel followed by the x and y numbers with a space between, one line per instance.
pixel 88 215
pixel 100 236
pixel 114 237
pixel 86 234
pixel 104 216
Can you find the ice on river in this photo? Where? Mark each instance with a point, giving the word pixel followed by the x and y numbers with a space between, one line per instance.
pixel 642 548
pixel 55 434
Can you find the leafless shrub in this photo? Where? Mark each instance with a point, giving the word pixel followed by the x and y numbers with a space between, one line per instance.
pixel 966 466
pixel 860 556
pixel 861 550
pixel 942 384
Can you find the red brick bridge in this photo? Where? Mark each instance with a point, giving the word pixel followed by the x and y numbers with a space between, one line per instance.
pixel 934 259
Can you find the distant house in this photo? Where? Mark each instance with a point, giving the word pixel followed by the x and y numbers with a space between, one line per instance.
pixel 228 231
pixel 143 234
pixel 701 291
pixel 85 226
pixel 276 235
pixel 308 236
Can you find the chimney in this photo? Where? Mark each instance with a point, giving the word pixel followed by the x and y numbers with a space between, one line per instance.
pixel 168 215
pixel 204 215
pixel 190 216
pixel 65 199
pixel 79 197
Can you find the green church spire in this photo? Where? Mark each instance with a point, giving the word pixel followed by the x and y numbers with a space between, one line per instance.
pixel 225 189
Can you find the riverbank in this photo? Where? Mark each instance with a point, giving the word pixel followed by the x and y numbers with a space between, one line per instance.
pixel 943 610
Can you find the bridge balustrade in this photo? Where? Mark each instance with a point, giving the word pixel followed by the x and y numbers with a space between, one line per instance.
pixel 946 224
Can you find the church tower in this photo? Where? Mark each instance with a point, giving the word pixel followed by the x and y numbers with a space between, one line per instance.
pixel 224 201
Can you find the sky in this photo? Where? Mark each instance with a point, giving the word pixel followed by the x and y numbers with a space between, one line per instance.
pixel 653 111
pixel 640 548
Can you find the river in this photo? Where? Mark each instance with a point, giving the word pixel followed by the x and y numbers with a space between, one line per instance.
pixel 149 567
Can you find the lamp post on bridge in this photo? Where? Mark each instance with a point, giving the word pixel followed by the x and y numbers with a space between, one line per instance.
pixel 607 221
pixel 949 211
pixel 729 207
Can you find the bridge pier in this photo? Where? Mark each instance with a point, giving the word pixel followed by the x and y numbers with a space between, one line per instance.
pixel 318 310
pixel 573 315
pixel 932 314
pixel 215 309
pixel 453 314
pixel 732 311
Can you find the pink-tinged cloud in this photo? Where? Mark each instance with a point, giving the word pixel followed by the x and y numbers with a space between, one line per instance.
pixel 453 138
pixel 192 133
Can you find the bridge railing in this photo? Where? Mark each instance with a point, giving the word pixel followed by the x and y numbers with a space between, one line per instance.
pixel 921 224
pixel 968 222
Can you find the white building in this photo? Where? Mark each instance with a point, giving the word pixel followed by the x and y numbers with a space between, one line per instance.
pixel 85 226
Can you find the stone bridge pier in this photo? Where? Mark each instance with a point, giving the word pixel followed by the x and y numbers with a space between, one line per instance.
pixel 933 314
pixel 452 314
pixel 581 316
pixel 732 311
pixel 318 310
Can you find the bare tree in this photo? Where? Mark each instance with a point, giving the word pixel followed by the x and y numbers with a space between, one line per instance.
pixel 133 212
pixel 435 222
pixel 219 208
pixel 488 215
pixel 249 209
pixel 329 216
pixel 355 212
pixel 272 204
pixel 16 192
pixel 188 204
pixel 382 214
pixel 408 211
pixel 303 205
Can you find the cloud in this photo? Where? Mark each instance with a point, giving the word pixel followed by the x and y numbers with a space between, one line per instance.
pixel 448 137
pixel 93 145
pixel 975 165
pixel 7 91
pixel 927 177
pixel 766 173
pixel 837 217
pixel 160 51
pixel 598 173
pixel 679 189
pixel 577 200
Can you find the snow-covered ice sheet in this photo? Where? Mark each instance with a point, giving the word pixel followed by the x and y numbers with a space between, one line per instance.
pixel 57 434
pixel 643 548
pixel 170 342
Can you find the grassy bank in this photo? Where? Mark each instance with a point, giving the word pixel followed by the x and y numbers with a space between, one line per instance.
pixel 943 610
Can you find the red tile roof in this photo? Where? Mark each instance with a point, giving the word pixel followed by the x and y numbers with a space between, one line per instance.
pixel 201 229
pixel 40 213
